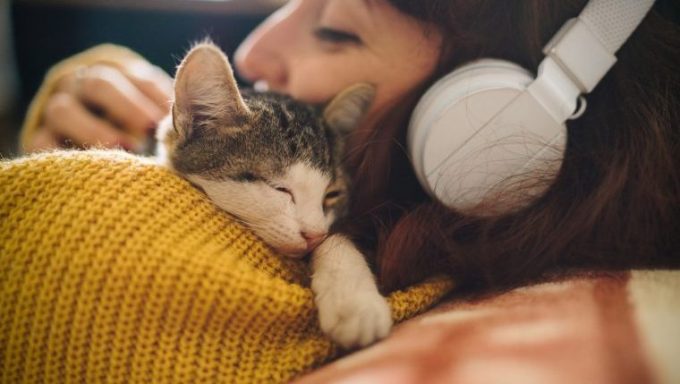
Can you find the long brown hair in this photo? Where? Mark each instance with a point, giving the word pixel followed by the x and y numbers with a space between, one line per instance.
pixel 615 202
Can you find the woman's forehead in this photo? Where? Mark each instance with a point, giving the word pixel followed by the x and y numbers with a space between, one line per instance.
pixel 372 17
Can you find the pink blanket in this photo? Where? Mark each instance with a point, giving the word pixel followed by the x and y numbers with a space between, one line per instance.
pixel 607 328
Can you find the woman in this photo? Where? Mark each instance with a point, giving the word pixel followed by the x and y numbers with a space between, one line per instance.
pixel 613 205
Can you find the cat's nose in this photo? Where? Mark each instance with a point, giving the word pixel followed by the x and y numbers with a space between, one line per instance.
pixel 313 238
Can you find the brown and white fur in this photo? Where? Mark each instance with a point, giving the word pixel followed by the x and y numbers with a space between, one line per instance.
pixel 275 165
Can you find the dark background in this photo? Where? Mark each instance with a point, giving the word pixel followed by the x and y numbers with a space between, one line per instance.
pixel 45 32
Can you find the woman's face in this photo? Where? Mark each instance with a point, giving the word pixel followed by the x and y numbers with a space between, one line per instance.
pixel 313 49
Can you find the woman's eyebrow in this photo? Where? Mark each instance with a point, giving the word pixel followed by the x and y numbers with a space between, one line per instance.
pixel 368 3
pixel 370 6
pixel 361 14
pixel 367 11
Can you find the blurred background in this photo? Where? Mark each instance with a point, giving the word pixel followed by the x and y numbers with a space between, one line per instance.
pixel 35 34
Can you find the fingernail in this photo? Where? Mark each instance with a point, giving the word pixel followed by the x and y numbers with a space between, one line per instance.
pixel 126 145
pixel 151 134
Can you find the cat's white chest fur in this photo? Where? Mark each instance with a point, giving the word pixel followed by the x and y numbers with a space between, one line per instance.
pixel 351 310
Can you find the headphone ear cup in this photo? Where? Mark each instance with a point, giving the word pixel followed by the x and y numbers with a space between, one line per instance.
pixel 458 157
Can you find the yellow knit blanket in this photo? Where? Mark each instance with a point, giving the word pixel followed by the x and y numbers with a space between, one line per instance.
pixel 113 269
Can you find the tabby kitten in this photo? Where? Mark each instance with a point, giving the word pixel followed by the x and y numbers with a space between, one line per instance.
pixel 274 164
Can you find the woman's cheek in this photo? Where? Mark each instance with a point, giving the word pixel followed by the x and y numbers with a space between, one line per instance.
pixel 319 81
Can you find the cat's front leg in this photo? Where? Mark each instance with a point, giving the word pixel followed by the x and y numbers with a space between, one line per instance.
pixel 351 310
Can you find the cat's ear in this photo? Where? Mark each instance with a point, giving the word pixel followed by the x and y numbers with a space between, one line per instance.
pixel 206 95
pixel 346 109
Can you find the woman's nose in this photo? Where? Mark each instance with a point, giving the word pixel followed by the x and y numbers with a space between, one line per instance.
pixel 261 57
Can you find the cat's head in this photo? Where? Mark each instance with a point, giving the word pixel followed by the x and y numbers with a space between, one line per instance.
pixel 268 160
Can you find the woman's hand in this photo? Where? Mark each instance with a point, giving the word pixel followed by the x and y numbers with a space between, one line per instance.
pixel 106 106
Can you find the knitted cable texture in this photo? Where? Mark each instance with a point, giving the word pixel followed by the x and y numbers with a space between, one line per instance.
pixel 113 269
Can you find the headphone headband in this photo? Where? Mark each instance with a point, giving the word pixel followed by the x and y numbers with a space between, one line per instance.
pixel 584 47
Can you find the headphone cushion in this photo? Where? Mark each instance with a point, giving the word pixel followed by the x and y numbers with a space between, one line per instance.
pixel 479 138
pixel 502 78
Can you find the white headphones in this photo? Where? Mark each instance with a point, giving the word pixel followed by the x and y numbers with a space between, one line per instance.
pixel 480 134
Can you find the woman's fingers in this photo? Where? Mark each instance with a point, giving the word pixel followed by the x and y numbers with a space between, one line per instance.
pixel 65 116
pixel 107 105
pixel 105 89
pixel 42 140
pixel 153 82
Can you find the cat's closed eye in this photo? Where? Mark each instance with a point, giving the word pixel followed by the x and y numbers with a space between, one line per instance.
pixel 247 177
pixel 332 195
pixel 331 198
pixel 286 191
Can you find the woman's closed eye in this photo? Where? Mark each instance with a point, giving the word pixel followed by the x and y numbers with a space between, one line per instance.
pixel 336 36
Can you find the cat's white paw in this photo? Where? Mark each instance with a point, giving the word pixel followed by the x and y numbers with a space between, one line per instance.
pixel 354 318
